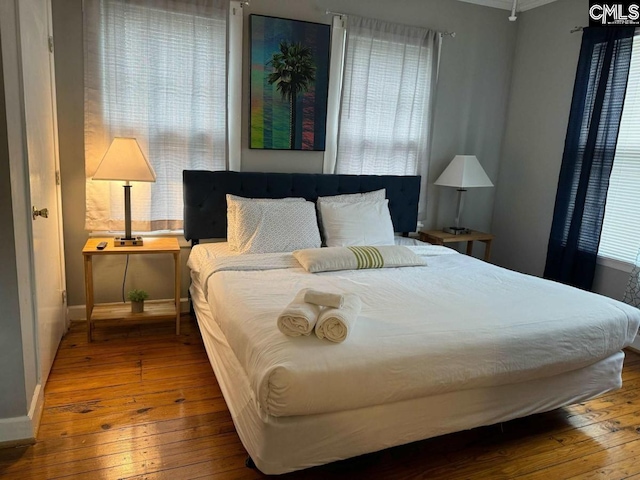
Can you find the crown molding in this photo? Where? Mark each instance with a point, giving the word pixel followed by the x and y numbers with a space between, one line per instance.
pixel 523 5
pixel 503 4
pixel 529 4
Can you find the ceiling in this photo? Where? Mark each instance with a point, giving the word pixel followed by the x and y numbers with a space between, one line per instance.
pixel 523 5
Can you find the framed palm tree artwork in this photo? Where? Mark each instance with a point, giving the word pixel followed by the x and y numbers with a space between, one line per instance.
pixel 289 83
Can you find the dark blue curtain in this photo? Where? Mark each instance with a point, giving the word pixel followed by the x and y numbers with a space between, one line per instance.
pixel 589 149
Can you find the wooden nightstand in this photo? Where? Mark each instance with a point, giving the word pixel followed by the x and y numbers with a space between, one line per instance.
pixel 438 237
pixel 121 312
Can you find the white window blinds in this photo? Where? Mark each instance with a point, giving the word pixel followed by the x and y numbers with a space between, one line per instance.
pixel 620 237
pixel 389 77
pixel 156 71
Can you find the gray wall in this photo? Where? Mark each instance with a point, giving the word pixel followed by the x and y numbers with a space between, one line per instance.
pixel 67 29
pixel 469 118
pixel 543 74
pixel 471 96
pixel 13 399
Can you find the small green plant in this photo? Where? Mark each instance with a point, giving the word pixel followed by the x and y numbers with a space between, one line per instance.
pixel 136 295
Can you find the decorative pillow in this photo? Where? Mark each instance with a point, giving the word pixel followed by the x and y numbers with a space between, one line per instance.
pixel 362 223
pixel 354 258
pixel 283 226
pixel 232 225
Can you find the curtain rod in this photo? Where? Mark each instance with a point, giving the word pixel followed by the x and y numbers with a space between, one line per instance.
pixel 443 34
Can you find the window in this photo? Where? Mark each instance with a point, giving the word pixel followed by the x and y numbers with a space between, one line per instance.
pixel 620 239
pixel 389 73
pixel 155 71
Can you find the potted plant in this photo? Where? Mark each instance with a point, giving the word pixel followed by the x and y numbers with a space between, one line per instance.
pixel 137 298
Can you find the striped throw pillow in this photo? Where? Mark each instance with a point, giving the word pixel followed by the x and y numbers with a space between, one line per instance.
pixel 330 259
pixel 368 257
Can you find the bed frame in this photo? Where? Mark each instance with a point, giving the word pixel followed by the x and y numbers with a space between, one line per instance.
pixel 284 444
pixel 205 204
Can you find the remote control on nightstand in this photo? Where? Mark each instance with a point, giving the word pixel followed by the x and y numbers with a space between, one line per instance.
pixel 101 245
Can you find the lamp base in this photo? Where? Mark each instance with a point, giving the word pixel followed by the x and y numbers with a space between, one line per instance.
pixel 127 242
pixel 456 230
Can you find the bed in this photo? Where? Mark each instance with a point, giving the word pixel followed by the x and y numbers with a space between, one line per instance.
pixel 452 345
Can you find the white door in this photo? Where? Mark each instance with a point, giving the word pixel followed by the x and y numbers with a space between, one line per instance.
pixel 42 151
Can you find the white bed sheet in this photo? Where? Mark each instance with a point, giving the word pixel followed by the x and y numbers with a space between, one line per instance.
pixel 464 324
pixel 283 444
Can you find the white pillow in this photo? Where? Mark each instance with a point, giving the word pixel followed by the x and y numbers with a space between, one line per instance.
pixel 276 226
pixel 376 196
pixel 232 225
pixel 362 223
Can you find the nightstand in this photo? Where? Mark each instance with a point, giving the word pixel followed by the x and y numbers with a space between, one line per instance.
pixel 438 237
pixel 121 312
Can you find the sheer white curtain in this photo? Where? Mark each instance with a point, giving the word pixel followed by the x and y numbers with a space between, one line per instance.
pixel 154 70
pixel 389 79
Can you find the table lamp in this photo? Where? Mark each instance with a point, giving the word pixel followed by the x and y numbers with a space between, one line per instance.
pixel 463 172
pixel 124 161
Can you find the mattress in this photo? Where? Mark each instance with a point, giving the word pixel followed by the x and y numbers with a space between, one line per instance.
pixel 283 444
pixel 464 325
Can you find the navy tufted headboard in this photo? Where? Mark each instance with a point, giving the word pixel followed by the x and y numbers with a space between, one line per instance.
pixel 205 205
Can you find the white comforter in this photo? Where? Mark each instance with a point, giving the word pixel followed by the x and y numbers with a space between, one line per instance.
pixel 455 324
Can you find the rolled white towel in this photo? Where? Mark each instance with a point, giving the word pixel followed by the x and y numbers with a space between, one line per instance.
pixel 326 299
pixel 298 318
pixel 334 323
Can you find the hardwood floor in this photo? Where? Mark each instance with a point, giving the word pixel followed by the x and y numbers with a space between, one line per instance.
pixel 141 403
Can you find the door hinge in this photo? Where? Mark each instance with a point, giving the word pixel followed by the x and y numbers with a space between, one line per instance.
pixel 50 43
pixel 64 297
pixel 57 177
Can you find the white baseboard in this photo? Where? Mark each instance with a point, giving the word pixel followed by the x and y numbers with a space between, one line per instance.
pixel 37 406
pixel 23 430
pixel 16 431
pixel 79 312
pixel 76 312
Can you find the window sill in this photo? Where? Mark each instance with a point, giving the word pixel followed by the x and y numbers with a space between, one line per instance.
pixel 179 234
pixel 616 264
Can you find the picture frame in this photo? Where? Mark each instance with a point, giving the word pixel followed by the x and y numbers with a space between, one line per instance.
pixel 289 82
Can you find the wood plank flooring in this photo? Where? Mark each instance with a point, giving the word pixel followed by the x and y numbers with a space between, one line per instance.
pixel 141 403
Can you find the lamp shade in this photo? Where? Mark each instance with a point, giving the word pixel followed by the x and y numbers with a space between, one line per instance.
pixel 125 161
pixel 464 171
